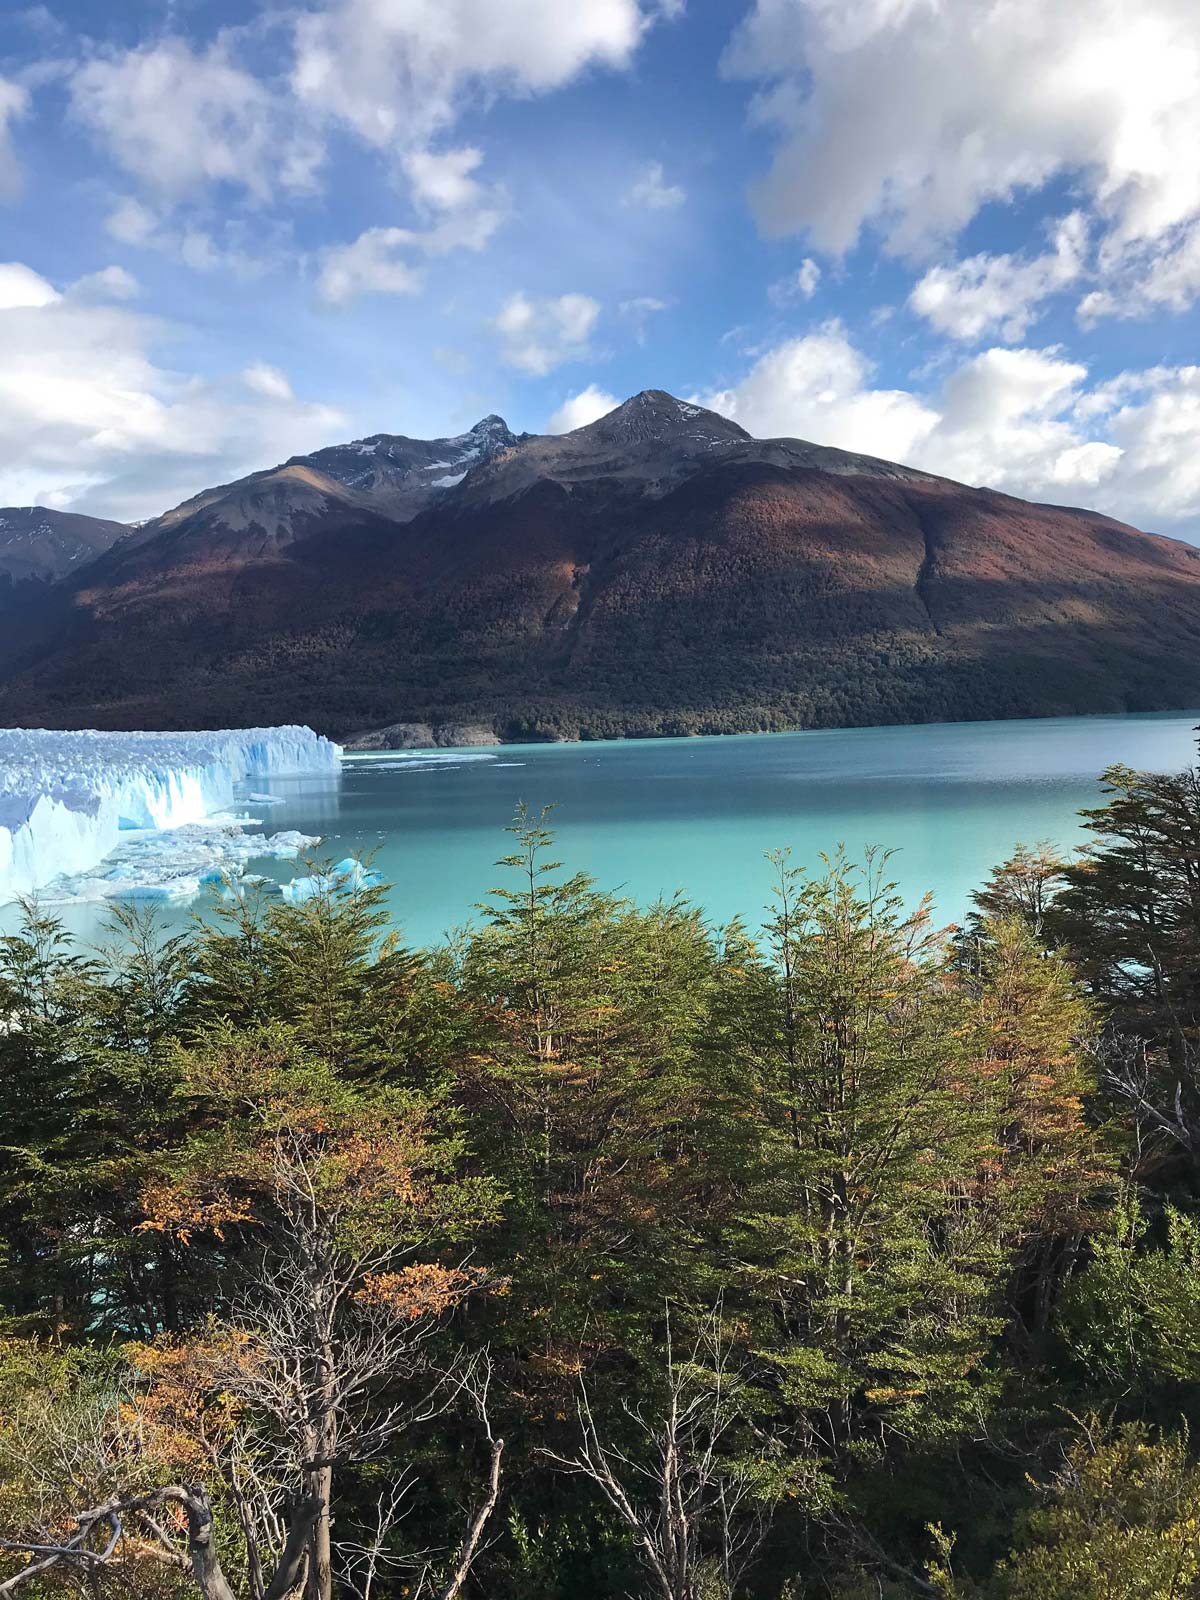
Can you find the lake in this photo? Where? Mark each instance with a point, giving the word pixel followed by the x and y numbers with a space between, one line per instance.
pixel 651 817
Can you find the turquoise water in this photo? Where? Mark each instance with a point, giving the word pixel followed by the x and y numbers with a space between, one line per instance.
pixel 655 816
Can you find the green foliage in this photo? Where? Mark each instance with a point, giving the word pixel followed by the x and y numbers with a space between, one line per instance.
pixel 859 1239
pixel 1130 908
pixel 1119 1521
pixel 1133 1316
pixel 897 1168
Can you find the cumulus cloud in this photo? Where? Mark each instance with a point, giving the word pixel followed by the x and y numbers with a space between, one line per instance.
pixel 14 102
pixel 1023 420
pixel 398 71
pixel 444 180
pixel 267 380
pixel 1143 279
pixel 818 388
pixel 798 285
pixel 390 260
pixel 90 420
pixel 377 262
pixel 579 409
pixel 462 213
pixel 539 335
pixel 651 191
pixel 21 287
pixel 132 222
pixel 178 119
pixel 1002 294
pixel 911 116
pixel 110 283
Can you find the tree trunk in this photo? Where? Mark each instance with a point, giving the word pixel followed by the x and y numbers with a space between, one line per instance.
pixel 206 1563
pixel 320 1565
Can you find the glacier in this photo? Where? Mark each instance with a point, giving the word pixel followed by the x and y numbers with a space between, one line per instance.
pixel 67 799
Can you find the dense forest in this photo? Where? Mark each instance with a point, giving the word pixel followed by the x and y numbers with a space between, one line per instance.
pixel 603 1252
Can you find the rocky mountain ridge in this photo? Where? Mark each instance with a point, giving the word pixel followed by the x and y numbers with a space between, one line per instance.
pixel 39 546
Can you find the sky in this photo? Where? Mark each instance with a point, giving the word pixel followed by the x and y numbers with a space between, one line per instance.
pixel 962 234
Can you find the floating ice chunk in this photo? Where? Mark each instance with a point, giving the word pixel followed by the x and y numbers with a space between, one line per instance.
pixel 177 864
pixel 66 799
pixel 343 878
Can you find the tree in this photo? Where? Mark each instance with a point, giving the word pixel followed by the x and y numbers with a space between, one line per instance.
pixel 1132 1318
pixel 335 1197
pixel 579 1078
pixel 160 1464
pixel 332 968
pixel 1024 886
pixel 1116 1522
pixel 1049 1183
pixel 846 1072
pixel 1130 907
pixel 86 1097
pixel 696 1509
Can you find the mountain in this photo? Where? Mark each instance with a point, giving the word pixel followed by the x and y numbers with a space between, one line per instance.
pixel 385 476
pixel 39 546
pixel 658 571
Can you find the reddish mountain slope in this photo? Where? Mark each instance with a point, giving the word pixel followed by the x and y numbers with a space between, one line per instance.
pixel 658 571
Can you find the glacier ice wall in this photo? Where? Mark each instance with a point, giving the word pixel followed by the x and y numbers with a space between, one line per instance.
pixel 66 798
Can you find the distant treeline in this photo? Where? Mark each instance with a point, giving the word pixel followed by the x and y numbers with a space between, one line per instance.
pixel 604 1252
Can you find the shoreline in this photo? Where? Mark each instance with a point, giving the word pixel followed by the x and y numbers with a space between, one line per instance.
pixel 368 741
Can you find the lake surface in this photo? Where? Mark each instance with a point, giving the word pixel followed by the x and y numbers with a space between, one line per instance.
pixel 651 817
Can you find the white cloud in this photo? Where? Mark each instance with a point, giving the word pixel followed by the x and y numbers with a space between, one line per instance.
pixel 817 388
pixel 90 420
pixel 131 222
pixel 587 406
pixel 539 335
pixel 911 115
pixel 651 191
pixel 1007 420
pixel 463 214
pixel 14 102
pixel 110 283
pixel 21 286
pixel 1021 420
pixel 444 179
pixel 389 260
pixel 377 262
pixel 267 380
pixel 1141 279
pixel 398 71
pixel 136 224
pixel 1000 294
pixel 179 119
pixel 798 285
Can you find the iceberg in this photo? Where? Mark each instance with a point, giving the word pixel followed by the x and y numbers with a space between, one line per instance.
pixel 180 864
pixel 66 799
pixel 343 878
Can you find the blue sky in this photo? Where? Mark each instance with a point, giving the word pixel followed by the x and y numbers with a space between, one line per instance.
pixel 961 233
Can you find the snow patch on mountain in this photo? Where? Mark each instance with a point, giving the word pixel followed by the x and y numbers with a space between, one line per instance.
pixel 66 799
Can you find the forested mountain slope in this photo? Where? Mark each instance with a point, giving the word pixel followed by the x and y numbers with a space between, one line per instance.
pixel 658 571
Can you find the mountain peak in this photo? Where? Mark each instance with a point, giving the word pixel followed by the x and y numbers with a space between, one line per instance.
pixel 653 414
